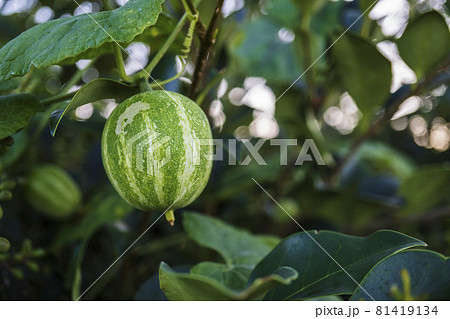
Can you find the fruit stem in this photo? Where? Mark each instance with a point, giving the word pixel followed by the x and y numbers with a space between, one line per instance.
pixel 121 64
pixel 144 85
pixel 170 217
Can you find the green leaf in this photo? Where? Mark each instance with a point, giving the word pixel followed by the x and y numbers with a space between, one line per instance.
pixel 319 275
pixel 236 246
pixel 182 286
pixel 215 281
pixel 234 277
pixel 429 275
pixel 425 43
pixel 95 90
pixel 9 85
pixel 68 38
pixel 365 72
pixel 249 51
pixel 16 110
pixel 105 207
pixel 155 35
pixel 425 189
pixel 386 159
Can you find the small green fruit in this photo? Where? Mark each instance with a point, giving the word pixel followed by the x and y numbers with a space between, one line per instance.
pixel 52 191
pixel 4 245
pixel 155 150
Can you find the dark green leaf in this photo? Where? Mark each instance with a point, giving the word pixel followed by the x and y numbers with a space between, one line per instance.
pixel 67 38
pixel 425 43
pixel 9 85
pixel 428 272
pixel 182 286
pixel 385 159
pixel 236 246
pixel 365 72
pixel 95 90
pixel 16 110
pixel 234 277
pixel 426 188
pixel 319 275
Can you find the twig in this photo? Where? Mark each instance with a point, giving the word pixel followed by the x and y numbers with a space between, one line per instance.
pixel 378 124
pixel 201 30
pixel 206 44
pixel 120 64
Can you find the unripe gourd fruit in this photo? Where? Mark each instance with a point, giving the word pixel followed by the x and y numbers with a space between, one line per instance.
pixel 156 151
pixel 51 190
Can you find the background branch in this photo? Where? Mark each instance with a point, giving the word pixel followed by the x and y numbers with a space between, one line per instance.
pixel 205 46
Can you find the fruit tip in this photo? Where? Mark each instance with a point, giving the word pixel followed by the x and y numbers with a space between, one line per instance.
pixel 170 217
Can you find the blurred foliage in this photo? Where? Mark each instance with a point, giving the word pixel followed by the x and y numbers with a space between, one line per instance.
pixel 380 173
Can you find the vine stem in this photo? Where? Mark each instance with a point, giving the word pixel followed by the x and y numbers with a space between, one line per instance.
pixel 120 64
pixel 206 44
pixel 162 51
pixel 378 124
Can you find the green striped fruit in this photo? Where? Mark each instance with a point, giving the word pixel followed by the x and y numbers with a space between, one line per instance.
pixel 154 151
pixel 51 190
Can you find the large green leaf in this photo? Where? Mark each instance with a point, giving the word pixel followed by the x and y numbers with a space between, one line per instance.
pixel 16 110
pixel 426 188
pixel 182 286
pixel 95 90
pixel 319 274
pixel 67 38
pixel 236 246
pixel 428 272
pixel 425 43
pixel 365 72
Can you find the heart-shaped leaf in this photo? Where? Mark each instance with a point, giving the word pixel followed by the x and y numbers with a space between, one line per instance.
pixel 67 39
pixel 319 274
pixel 182 286
pixel 236 246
